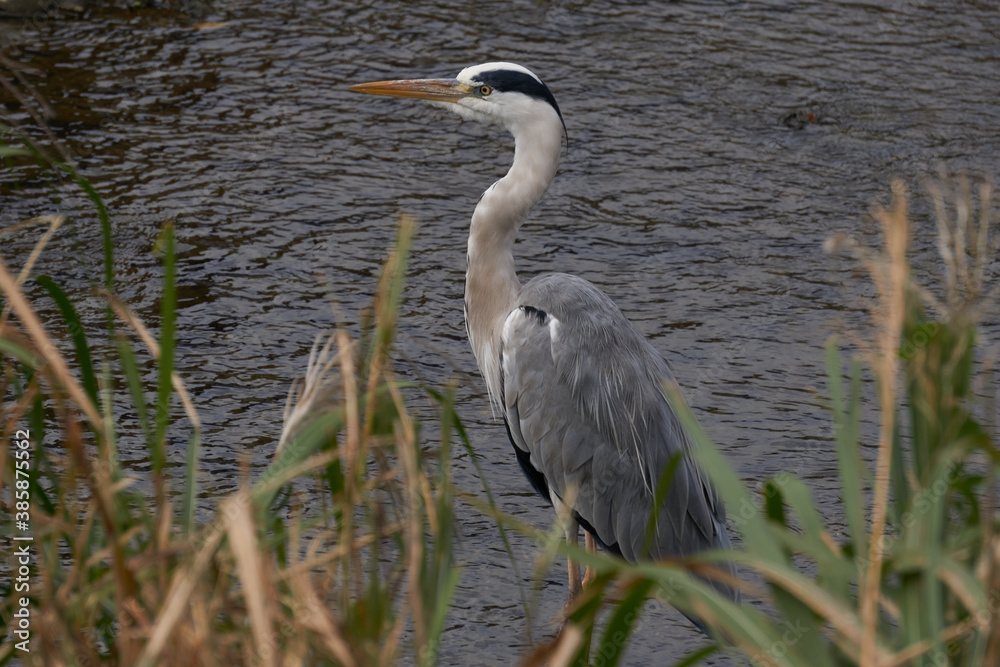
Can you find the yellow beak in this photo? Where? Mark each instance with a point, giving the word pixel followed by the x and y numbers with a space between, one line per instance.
pixel 438 90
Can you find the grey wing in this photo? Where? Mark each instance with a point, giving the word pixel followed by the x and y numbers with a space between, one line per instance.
pixel 584 406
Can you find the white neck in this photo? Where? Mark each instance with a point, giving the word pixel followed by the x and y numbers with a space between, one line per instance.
pixel 491 284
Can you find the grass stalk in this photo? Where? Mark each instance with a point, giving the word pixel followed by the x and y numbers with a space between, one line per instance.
pixel 892 280
pixel 343 550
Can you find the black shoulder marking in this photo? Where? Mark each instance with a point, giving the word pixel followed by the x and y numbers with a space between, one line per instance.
pixel 537 313
pixel 534 475
pixel 508 80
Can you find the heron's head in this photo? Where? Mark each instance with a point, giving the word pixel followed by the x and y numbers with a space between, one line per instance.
pixel 493 93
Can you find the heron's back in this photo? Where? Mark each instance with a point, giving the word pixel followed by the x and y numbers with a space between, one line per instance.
pixel 585 409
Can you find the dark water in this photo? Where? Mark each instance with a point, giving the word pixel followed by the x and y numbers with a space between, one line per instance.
pixel 681 194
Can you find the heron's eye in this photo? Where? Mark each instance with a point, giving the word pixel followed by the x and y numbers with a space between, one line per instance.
pixel 485 90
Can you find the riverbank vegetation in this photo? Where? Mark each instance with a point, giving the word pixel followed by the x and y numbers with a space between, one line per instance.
pixel 342 551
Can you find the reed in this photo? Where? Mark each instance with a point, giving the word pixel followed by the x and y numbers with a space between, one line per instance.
pixel 916 580
pixel 342 551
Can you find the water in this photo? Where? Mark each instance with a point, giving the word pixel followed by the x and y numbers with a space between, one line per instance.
pixel 681 194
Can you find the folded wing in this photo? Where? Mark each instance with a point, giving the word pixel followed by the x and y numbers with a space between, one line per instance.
pixel 585 410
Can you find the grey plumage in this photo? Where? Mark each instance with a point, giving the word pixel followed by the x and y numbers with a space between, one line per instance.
pixel 580 390
pixel 587 404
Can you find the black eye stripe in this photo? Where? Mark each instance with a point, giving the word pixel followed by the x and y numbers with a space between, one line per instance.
pixel 506 80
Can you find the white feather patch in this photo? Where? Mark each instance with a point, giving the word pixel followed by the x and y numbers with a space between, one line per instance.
pixel 554 326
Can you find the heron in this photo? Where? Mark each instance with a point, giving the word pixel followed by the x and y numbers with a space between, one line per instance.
pixel 579 388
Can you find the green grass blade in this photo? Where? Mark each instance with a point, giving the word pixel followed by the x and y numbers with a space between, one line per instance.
pixel 102 213
pixel 902 495
pixel 318 434
pixel 756 536
pixel 463 437
pixel 807 625
pixel 800 499
pixel 443 576
pixel 662 487
pixel 933 537
pixel 444 592
pixel 742 625
pixel 26 357
pixel 77 334
pixel 620 625
pixel 774 503
pixel 8 151
pixel 130 368
pixel 165 367
pixel 842 616
pixel 779 491
pixel 385 324
pixel 832 567
pixel 190 493
pixel 310 439
pixel 846 426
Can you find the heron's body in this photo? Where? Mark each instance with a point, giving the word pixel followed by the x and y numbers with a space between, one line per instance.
pixel 580 390
pixel 582 398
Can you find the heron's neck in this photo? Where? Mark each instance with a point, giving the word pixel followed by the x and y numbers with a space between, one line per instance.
pixel 491 284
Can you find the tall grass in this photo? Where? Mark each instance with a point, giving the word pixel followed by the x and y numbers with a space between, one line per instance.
pixel 917 582
pixel 341 552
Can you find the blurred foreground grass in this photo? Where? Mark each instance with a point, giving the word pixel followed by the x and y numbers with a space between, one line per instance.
pixel 342 552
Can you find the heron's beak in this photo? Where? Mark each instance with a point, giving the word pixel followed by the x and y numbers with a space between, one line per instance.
pixel 437 90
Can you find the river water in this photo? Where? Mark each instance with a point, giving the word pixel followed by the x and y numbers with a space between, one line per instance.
pixel 713 147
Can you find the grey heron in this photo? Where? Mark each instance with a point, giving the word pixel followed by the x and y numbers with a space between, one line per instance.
pixel 580 390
